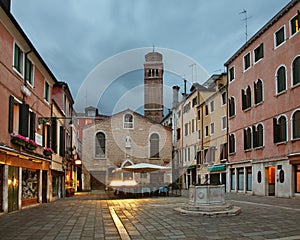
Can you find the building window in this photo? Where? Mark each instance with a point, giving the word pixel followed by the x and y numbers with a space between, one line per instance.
pixel 224 98
pixel 223 151
pixel 259 52
pixel 178 134
pixel 296 71
pixel 258 135
pixel 296 125
pixel 247 139
pixel 154 145
pixel 280 129
pixel 206 110
pixel 240 172
pixel 206 131
pixel 294 24
pixel 29 72
pixel 187 107
pixel 281 79
pixel 231 107
pixel 100 145
pixel 231 143
pixel 279 36
pixel 18 59
pixel 224 122
pixel 231 74
pixel 258 91
pixel 246 98
pixel 210 154
pixel 212 106
pixel 247 61
pixel 212 129
pixel 193 125
pixel 186 129
pixel 128 120
pixel 194 102
pixel 47 91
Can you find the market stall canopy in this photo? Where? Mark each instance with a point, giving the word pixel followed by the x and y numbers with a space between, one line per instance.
pixel 144 167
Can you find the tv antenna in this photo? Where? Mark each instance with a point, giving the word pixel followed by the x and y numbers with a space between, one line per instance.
pixel 246 22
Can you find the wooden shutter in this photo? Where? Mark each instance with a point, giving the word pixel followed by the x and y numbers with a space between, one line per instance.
pixel 54 135
pixel 11 114
pixel 47 144
pixel 32 126
pixel 245 139
pixel 255 137
pixel 61 141
pixel 275 130
pixel 243 99
pixel 23 119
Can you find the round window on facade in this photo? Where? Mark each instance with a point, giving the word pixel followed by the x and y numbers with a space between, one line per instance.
pixel 259 177
pixel 281 176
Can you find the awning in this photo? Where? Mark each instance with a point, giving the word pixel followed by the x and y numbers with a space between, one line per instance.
pixel 191 167
pixel 215 168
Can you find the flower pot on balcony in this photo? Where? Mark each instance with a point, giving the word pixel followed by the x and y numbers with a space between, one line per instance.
pixel 18 140
pixel 47 152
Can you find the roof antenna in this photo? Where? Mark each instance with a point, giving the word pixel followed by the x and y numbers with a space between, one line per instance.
pixel 246 22
pixel 153 48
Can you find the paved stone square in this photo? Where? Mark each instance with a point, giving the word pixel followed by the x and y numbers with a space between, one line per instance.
pixel 94 217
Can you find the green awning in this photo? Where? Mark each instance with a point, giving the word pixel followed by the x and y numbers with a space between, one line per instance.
pixel 216 168
pixel 191 167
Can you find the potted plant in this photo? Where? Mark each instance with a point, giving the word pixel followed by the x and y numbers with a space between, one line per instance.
pixel 31 145
pixel 18 139
pixel 48 152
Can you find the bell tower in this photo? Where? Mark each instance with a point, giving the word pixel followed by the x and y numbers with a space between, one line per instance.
pixel 153 86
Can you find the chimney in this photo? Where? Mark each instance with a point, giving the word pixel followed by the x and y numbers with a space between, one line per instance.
pixel 5 4
pixel 175 96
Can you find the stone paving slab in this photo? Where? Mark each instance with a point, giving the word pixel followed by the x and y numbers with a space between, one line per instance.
pixel 91 217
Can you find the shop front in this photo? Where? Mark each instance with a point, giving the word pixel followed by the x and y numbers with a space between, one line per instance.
pixel 294 160
pixel 22 181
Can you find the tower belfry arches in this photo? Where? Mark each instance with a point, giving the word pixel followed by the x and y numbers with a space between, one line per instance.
pixel 153 86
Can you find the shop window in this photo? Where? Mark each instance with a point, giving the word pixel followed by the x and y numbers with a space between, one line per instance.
pixel 249 178
pixel 232 179
pixel 297 172
pixel 29 184
pixel 240 179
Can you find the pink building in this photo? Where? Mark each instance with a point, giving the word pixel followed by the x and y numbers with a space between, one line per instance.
pixel 264 109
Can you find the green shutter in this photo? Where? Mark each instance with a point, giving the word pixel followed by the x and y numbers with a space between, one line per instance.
pixel 54 135
pixel 11 114
pixel 23 119
pixel 32 126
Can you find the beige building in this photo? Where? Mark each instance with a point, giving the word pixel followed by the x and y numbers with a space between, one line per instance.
pixel 212 125
pixel 124 139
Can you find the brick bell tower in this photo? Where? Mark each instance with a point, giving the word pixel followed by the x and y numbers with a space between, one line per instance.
pixel 153 86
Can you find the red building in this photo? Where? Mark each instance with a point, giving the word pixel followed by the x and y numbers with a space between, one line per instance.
pixel 26 137
pixel 264 109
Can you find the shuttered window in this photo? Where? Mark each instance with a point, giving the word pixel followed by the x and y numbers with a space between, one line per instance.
pixel 296 71
pixel 281 79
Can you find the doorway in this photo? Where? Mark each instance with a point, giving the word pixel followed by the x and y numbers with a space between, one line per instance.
pixel 13 188
pixel 270 180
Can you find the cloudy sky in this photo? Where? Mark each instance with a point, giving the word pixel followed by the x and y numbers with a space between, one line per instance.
pixel 74 37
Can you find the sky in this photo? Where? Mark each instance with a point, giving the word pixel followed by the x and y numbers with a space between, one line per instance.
pixel 75 38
